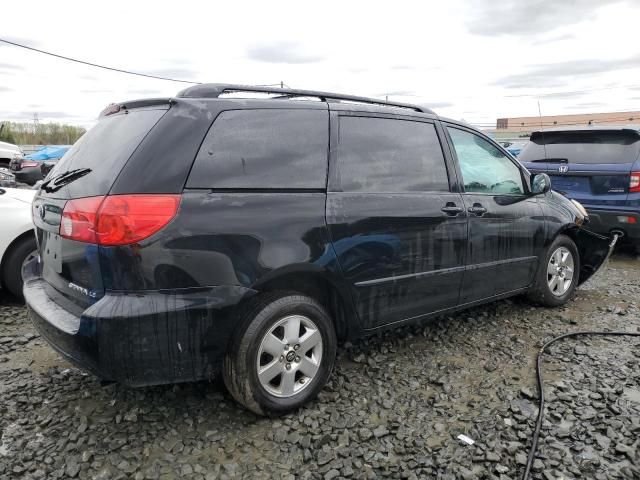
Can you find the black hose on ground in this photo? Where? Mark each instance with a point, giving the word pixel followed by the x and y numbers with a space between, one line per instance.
pixel 536 433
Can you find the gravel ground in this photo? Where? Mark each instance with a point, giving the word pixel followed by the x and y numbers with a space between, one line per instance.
pixel 394 407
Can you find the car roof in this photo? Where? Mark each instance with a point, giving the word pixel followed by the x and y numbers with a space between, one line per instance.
pixel 215 90
pixel 590 128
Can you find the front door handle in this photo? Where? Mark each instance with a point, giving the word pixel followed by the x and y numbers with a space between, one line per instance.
pixel 477 210
pixel 452 209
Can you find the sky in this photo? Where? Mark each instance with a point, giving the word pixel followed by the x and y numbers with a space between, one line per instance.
pixel 475 60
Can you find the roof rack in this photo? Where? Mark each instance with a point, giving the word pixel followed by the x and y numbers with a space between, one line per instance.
pixel 214 90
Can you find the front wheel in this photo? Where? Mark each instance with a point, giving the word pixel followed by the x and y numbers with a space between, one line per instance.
pixel 558 273
pixel 281 355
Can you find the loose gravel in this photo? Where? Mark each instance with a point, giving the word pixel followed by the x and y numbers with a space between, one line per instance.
pixel 394 407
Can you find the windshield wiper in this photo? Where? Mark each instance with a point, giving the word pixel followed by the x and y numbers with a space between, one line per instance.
pixel 550 160
pixel 59 181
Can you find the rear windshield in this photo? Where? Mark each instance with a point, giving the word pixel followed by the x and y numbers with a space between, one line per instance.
pixel 105 149
pixel 583 147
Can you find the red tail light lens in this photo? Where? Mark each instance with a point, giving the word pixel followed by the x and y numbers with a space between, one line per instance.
pixel 79 219
pixel 125 219
pixel 117 219
pixel 634 182
pixel 26 163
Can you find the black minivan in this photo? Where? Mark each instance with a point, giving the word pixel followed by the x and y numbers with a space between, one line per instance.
pixel 214 232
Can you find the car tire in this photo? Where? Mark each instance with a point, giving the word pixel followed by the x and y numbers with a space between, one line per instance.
pixel 552 287
pixel 12 265
pixel 268 384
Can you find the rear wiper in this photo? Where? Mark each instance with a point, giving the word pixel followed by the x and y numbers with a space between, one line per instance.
pixel 59 181
pixel 550 160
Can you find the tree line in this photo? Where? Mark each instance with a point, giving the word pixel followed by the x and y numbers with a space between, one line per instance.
pixel 40 134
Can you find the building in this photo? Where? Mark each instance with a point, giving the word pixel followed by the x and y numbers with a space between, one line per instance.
pixel 521 127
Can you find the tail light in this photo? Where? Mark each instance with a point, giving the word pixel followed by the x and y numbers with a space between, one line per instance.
pixel 634 182
pixel 117 219
pixel 26 164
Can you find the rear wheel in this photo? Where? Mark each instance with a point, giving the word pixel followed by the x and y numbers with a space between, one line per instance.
pixel 282 354
pixel 18 254
pixel 558 273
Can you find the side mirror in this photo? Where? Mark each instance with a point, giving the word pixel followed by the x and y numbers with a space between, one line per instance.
pixel 540 184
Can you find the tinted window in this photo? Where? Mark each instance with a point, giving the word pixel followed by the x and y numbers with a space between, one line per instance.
pixel 264 149
pixel 105 149
pixel 583 147
pixel 485 169
pixel 385 155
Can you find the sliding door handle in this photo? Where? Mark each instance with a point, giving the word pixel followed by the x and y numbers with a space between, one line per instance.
pixel 477 209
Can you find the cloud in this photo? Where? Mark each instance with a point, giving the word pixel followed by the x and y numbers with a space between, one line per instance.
pixel 178 73
pixel 528 17
pixel 29 115
pixel 401 67
pixel 10 66
pixel 555 38
pixel 21 40
pixel 282 52
pixel 9 69
pixel 558 74
pixel 435 105
pixel 396 93
pixel 5 89
pixel 585 105
pixel 144 92
pixel 563 95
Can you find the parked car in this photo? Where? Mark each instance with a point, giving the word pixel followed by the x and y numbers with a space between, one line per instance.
pixel 182 235
pixel 8 152
pixel 31 168
pixel 7 178
pixel 599 166
pixel 17 240
pixel 514 148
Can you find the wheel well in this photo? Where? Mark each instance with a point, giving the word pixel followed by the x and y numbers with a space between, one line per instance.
pixel 582 244
pixel 20 238
pixel 318 288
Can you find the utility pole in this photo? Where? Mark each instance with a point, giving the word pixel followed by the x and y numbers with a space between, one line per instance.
pixel 36 122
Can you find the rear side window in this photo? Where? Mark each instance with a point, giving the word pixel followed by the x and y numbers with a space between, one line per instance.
pixel 598 146
pixel 388 155
pixel 105 149
pixel 264 149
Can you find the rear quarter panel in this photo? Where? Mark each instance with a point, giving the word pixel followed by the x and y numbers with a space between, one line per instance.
pixel 241 239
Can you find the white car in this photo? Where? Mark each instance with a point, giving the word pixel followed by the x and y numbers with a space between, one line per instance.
pixel 17 238
pixel 8 152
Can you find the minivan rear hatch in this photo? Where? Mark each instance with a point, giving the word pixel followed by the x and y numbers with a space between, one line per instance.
pixel 71 268
pixel 590 165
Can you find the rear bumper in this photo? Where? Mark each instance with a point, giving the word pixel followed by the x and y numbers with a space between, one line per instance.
pixel 604 221
pixel 141 338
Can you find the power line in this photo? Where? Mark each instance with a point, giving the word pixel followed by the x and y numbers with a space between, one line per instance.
pixel 113 69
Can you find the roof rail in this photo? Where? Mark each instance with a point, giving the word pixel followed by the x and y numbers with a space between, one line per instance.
pixel 214 90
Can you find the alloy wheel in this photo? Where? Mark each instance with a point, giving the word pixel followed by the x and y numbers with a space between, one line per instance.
pixel 560 271
pixel 289 356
